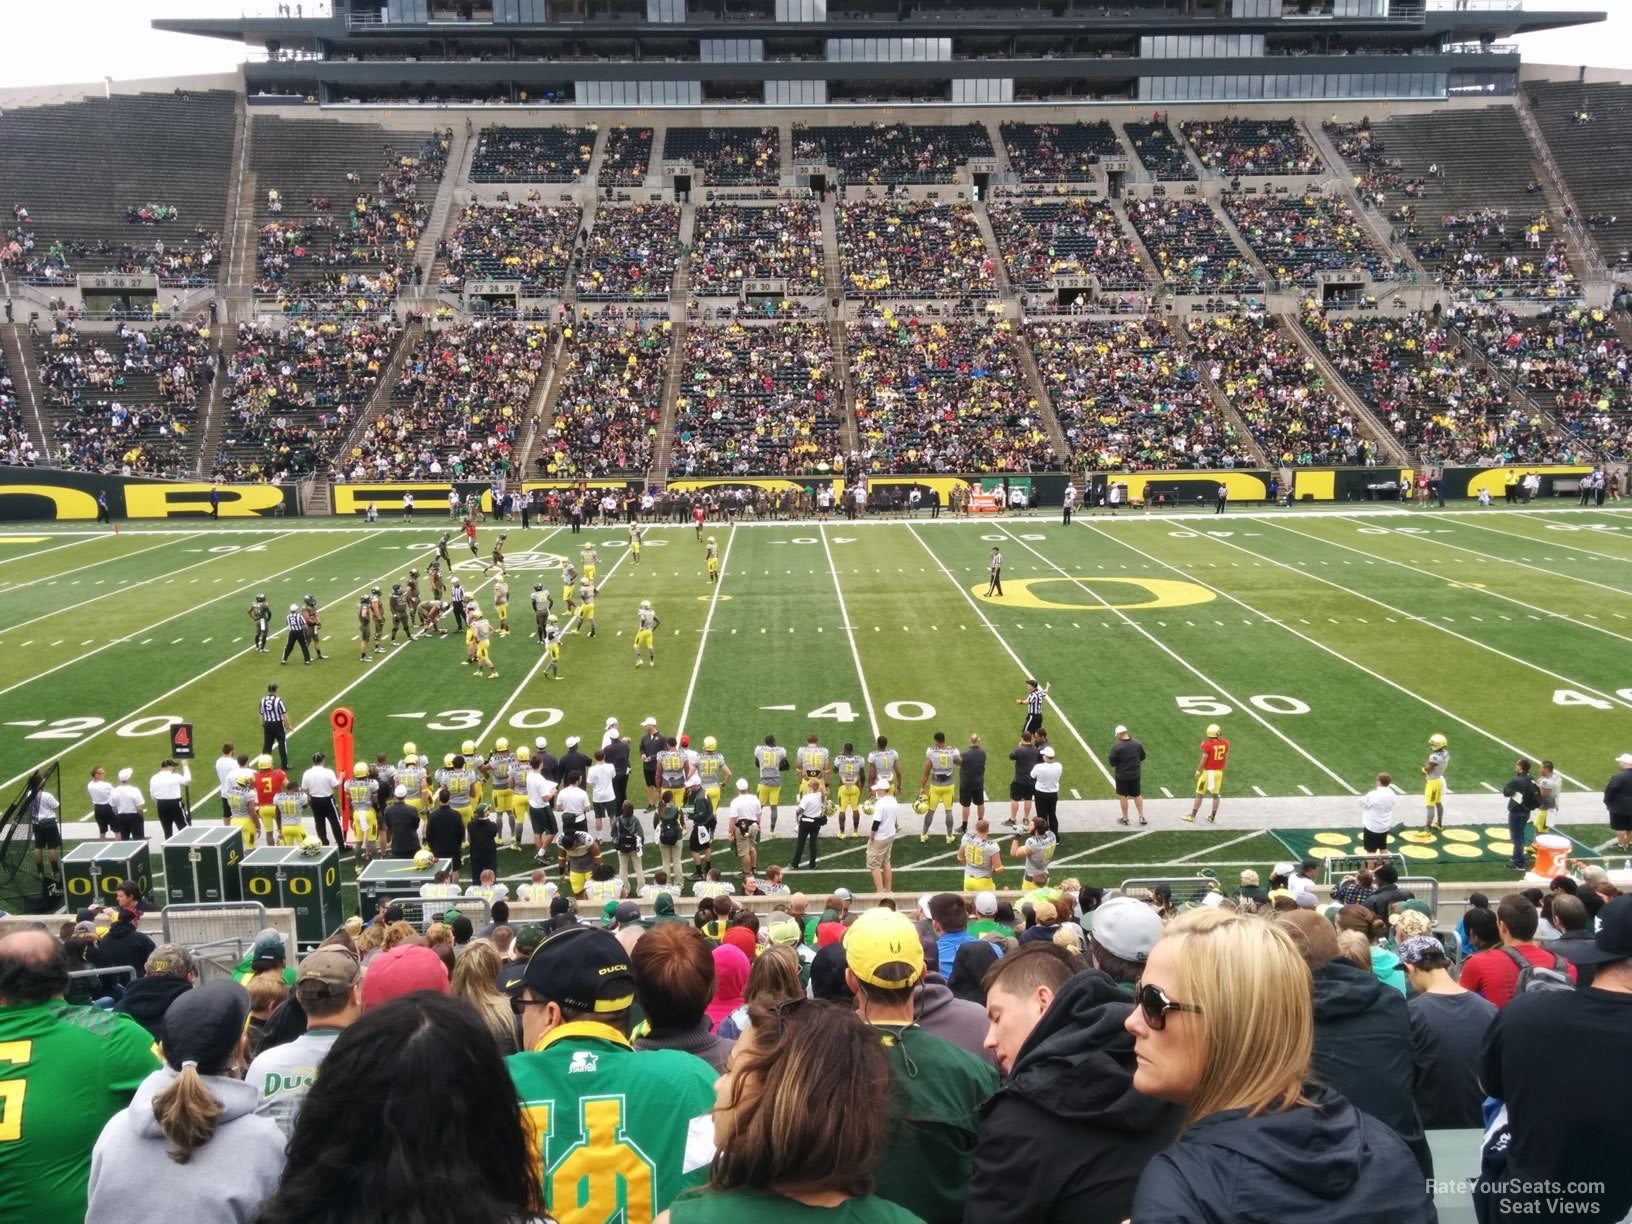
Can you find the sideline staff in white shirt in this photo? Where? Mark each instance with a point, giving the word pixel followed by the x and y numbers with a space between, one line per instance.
pixel 166 787
pixel 1377 815
pixel 225 766
pixel 100 791
pixel 319 782
pixel 127 808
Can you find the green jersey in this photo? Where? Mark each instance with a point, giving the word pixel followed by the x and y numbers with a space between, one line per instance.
pixel 64 1071
pixel 620 1133
pixel 751 1207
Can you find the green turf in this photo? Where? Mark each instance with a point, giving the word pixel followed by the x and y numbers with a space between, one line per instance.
pixel 1509 632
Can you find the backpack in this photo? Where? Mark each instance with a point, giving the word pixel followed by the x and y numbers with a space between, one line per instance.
pixel 668 829
pixel 1534 979
pixel 628 838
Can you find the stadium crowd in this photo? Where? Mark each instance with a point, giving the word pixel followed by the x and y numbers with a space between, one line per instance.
pixel 756 399
pixel 1377 174
pixel 1127 398
pixel 1233 147
pixel 735 243
pixel 728 156
pixel 1159 150
pixel 1274 386
pixel 125 402
pixel 532 154
pixel 1570 359
pixel 893 152
pixel 458 405
pixel 1058 152
pixel 16 444
pixel 933 396
pixel 627 158
pixel 291 394
pixel 632 252
pixel 606 414
pixel 910 248
pixel 1437 400
pixel 1483 252
pixel 1190 247
pixel 1297 236
pixel 1041 238
pixel 530 243
pixel 177 264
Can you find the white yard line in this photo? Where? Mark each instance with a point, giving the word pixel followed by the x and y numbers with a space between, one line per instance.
pixel 21 529
pixel 1560 540
pixel 708 623
pixel 1186 664
pixel 1337 654
pixel 1423 620
pixel 849 632
pixel 1215 847
pixel 79 569
pixel 1009 650
pixel 124 718
pixel 1056 864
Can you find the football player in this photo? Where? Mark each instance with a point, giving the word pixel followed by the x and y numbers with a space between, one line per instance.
pixel 713 558
pixel 646 623
pixel 501 602
pixel 813 766
pixel 1215 754
pixel 410 591
pixel 849 766
pixel 569 584
pixel 1433 788
pixel 376 611
pixel 365 627
pixel 313 623
pixel 543 602
pixel 588 558
pixel 637 533
pixel 442 551
pixel 400 614
pixel 470 536
pixel 586 605
pixel 498 553
pixel 484 658
pixel 772 763
pixel 940 760
pixel 883 766
pixel 291 809
pixel 362 792
pixel 712 771
pixel 261 613
pixel 552 649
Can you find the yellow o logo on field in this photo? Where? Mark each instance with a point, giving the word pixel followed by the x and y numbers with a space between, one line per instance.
pixel 1420 836
pixel 1419 852
pixel 1499 832
pixel 1330 852
pixel 1333 839
pixel 1162 592
pixel 1459 835
pixel 1460 850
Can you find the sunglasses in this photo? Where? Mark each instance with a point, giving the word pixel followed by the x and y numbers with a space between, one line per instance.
pixel 1155 1005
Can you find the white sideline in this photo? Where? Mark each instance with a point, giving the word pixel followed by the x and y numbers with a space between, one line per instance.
pixel 708 623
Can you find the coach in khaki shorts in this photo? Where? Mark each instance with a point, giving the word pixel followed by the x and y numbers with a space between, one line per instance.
pixel 882 836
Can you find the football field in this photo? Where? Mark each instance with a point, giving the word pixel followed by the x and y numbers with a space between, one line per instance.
pixel 1328 645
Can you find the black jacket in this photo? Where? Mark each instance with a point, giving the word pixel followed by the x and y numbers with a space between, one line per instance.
pixel 1126 759
pixel 1363 1050
pixel 122 945
pixel 1618 794
pixel 445 833
pixel 574 762
pixel 1325 1164
pixel 147 999
pixel 1380 900
pixel 617 756
pixel 1522 794
pixel 1066 1137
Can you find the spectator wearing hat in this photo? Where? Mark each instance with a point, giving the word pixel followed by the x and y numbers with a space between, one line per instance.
pixel 1127 762
pixel 1250 890
pixel 1550 1137
pixel 986 921
pixel 266 955
pixel 1045 922
pixel 123 945
pixel 402 970
pixel 1085 1134
pixel 521 948
pixel 168 974
pixel 574 1004
pixel 1448 1026
pixel 328 987
pixel 83 1066
pixel 191 1145
pixel 1125 930
pixel 1618 801
pixel 935 1088
pixel 1362 1035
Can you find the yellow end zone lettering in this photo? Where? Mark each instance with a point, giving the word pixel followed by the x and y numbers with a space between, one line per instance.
pixel 1162 592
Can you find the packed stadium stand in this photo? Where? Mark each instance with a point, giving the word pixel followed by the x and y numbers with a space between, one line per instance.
pixel 1192 251
pixel 727 156
pixel 1041 238
pixel 532 155
pixel 1252 146
pixel 756 398
pixel 16 440
pixel 1059 152
pixel 608 401
pixel 1159 150
pixel 632 253
pixel 1298 235
pixel 627 158
pixel 893 152
pixel 127 183
pixel 913 248
pixel 1589 130
pixel 530 243
pixel 732 244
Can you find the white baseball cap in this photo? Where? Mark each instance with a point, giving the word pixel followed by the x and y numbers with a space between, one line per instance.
pixel 402 792
pixel 881 785
pixel 648 721
pixel 1047 753
pixel 742 784
pixel 986 903
pixel 612 722
pixel 572 741
pixel 126 774
pixel 541 742
pixel 1624 760
pixel 1120 729
pixel 844 894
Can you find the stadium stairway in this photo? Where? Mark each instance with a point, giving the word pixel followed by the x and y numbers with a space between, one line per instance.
pixel 540 405
pixel 1227 224
pixel 1377 225
pixel 1387 446
pixel 460 155
pixel 238 232
pixel 380 401
pixel 664 449
pixel 597 157
pixel 1000 273
pixel 1221 402
pixel 841 366
pixel 1578 245
pixel 680 287
pixel 831 268
pixel 1146 263
pixel 25 374
pixel 213 422
pixel 1591 157
pixel 1045 405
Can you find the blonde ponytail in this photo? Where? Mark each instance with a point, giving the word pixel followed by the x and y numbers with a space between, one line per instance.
pixel 186 1112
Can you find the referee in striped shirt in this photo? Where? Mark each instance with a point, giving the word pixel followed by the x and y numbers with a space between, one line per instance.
pixel 275 725
pixel 298 631
pixel 1033 701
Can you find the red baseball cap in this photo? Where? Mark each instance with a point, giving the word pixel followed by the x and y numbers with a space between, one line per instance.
pixel 401 971
pixel 685 741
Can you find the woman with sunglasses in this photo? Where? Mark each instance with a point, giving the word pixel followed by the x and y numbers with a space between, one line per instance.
pixel 778 1158
pixel 1225 1027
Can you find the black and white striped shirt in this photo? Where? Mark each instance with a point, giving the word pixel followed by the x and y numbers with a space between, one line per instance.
pixel 297 623
pixel 273 709
pixel 1034 702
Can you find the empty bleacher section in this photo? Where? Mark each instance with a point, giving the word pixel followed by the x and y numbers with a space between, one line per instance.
pixel 934 396
pixel 458 404
pixel 627 158
pixel 1058 152
pixel 291 394
pixel 1570 360
pixel 912 248
pixel 1191 248
pixel 727 156
pixel 1440 404
pixel 1041 238
pixel 340 210
pixel 532 154
pixel 1158 150
pixel 125 401
pixel 1297 236
pixel 128 183
pixel 1589 130
pixel 1232 147
pixel 1458 186
pixel 732 244
pixel 1276 388
pixel 756 398
pixel 530 243
pixel 609 403
pixel 632 253
pixel 893 152
pixel 1128 398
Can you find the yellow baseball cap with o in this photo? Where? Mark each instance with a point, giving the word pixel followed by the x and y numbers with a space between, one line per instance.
pixel 881 948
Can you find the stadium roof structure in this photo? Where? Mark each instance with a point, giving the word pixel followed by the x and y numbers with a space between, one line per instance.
pixel 872 52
